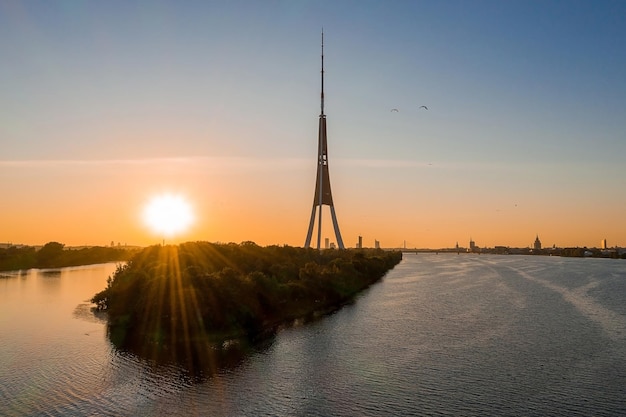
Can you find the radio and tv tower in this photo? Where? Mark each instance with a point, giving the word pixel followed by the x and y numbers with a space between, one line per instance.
pixel 323 195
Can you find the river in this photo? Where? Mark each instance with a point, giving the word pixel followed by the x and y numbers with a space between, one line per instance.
pixel 447 334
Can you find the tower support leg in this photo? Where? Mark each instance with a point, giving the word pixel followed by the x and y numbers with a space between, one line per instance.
pixel 336 226
pixel 307 243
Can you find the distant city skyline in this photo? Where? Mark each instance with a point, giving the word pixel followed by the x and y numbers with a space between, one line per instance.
pixel 375 243
pixel 107 104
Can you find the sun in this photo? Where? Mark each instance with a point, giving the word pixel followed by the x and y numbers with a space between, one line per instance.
pixel 168 214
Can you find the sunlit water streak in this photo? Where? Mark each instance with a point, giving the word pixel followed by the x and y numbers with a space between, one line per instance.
pixel 440 335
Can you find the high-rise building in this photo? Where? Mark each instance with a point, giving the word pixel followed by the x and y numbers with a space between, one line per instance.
pixel 603 244
pixel 537 244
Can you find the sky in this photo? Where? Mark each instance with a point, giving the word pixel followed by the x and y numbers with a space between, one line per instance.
pixel 104 105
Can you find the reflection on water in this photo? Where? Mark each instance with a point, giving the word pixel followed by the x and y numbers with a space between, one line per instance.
pixel 442 334
pixel 86 311
pixel 47 356
pixel 196 358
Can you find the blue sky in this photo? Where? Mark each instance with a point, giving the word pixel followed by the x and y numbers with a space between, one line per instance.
pixel 526 104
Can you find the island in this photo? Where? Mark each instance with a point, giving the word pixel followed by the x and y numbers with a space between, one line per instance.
pixel 187 303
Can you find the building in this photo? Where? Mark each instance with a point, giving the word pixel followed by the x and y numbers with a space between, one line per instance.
pixel 376 244
pixel 359 244
pixel 537 244
pixel 603 244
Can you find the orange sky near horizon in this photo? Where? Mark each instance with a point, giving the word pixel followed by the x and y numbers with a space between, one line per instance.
pixel 269 202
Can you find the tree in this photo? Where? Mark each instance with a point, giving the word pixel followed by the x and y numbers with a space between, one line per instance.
pixel 49 254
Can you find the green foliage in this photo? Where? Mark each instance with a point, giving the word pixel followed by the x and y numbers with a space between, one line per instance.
pixel 169 295
pixel 14 258
pixel 48 256
pixel 55 255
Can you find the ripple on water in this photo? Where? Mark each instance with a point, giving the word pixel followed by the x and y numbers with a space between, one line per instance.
pixel 440 335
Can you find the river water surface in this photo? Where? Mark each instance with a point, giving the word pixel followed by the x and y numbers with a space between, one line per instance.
pixel 447 334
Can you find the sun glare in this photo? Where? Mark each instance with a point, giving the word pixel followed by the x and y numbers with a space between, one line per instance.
pixel 168 214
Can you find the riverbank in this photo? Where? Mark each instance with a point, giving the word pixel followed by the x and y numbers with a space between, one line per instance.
pixel 56 255
pixel 183 302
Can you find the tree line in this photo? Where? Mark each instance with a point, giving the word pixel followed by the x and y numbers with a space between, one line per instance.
pixel 55 255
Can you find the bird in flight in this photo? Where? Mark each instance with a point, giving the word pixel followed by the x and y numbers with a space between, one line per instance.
pixel 423 107
pixel 394 110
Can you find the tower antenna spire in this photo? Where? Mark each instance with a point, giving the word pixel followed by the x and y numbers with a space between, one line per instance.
pixel 322 95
